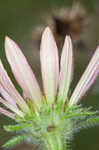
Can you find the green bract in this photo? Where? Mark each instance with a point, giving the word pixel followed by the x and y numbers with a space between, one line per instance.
pixel 52 128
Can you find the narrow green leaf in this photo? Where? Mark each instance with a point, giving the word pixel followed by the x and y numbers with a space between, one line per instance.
pixel 79 112
pixel 18 127
pixel 90 122
pixel 15 140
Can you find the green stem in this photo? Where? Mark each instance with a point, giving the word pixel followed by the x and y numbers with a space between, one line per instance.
pixel 53 141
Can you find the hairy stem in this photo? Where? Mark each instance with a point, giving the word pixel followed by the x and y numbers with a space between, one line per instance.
pixel 53 141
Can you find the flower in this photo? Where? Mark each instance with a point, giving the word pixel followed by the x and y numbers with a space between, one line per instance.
pixel 56 83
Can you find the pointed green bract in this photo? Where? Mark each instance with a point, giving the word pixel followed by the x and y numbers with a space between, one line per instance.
pixel 52 129
pixel 18 127
pixel 14 141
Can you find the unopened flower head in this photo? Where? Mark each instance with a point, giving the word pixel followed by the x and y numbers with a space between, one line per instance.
pixel 56 83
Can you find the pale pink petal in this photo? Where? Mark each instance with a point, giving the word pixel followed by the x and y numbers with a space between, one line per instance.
pixel 7 113
pixel 22 71
pixel 11 107
pixel 66 70
pixel 87 79
pixel 6 96
pixel 10 89
pixel 93 78
pixel 49 65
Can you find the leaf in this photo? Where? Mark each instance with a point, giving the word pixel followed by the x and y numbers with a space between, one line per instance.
pixel 79 112
pixel 18 127
pixel 15 140
pixel 88 123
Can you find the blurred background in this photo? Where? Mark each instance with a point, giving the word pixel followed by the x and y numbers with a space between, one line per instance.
pixel 24 21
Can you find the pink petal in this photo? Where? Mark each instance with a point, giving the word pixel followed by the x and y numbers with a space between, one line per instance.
pixel 22 71
pixel 66 70
pixel 11 107
pixel 10 89
pixel 7 113
pixel 7 96
pixel 87 79
pixel 49 65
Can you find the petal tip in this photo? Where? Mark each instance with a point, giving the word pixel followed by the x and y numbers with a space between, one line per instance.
pixel 7 39
pixel 47 31
pixel 8 42
pixel 68 38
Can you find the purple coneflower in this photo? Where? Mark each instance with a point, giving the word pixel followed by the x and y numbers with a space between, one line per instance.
pixel 56 83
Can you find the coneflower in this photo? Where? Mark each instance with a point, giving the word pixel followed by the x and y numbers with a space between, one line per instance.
pixel 51 118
